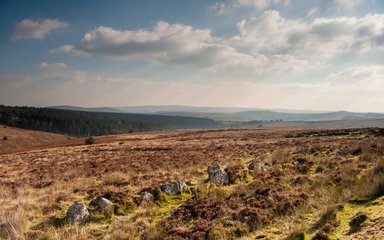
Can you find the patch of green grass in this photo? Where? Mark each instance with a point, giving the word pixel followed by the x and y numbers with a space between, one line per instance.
pixel 165 200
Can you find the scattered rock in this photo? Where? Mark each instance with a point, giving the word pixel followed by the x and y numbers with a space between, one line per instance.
pixel 256 165
pixel 105 206
pixel 77 213
pixel 148 197
pixel 253 165
pixel 174 188
pixel 358 219
pixel 217 175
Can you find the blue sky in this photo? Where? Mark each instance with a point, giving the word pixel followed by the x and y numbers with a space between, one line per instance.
pixel 294 54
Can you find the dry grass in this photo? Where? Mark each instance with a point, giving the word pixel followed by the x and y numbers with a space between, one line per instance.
pixel 122 166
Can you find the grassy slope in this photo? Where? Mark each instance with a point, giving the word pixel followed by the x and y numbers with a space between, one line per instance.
pixel 21 139
pixel 39 212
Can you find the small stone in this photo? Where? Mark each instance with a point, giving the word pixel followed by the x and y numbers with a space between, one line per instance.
pixel 148 197
pixel 256 165
pixel 217 175
pixel 105 206
pixel 77 213
pixel 174 188
pixel 253 165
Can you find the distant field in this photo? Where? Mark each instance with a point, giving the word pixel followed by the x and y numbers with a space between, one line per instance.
pixel 365 123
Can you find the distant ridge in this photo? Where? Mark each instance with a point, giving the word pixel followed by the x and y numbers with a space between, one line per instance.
pixel 95 109
pixel 232 113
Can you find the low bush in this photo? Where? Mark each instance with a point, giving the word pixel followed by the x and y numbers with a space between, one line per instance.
pixel 90 140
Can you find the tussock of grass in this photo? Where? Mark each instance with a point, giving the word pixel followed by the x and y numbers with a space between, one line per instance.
pixel 297 234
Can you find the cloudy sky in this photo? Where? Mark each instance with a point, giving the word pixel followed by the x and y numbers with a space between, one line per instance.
pixel 291 54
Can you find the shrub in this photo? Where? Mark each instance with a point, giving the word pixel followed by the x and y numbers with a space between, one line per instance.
pixel 320 235
pixel 378 185
pixel 90 140
pixel 357 220
pixel 329 217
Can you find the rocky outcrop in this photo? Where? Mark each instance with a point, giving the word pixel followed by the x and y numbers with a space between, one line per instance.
pixel 174 188
pixel 217 175
pixel 77 213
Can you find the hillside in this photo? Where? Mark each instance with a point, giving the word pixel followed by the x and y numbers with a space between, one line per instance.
pixel 15 139
pixel 81 123
pixel 277 184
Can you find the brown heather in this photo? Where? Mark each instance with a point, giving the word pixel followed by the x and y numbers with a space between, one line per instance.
pixel 316 183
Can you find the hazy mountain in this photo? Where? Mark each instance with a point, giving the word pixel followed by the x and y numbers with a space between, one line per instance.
pixel 179 108
pixel 233 114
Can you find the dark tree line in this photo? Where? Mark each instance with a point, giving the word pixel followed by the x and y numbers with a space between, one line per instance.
pixel 78 123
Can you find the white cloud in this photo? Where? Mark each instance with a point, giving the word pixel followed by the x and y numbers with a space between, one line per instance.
pixel 59 65
pixel 70 50
pixel 321 37
pixel 176 44
pixel 36 29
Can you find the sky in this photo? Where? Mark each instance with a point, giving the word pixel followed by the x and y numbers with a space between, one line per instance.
pixel 274 54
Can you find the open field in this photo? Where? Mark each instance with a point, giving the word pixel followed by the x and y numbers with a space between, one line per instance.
pixel 313 183
pixel 20 140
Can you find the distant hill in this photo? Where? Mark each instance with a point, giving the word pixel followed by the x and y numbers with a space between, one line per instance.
pixel 337 124
pixel 81 123
pixel 340 115
pixel 236 114
pixel 95 109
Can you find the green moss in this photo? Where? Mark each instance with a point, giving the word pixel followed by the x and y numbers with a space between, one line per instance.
pixel 125 206
pixel 166 200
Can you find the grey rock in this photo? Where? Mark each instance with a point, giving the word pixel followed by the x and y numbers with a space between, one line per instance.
pixel 256 165
pixel 174 188
pixel 77 213
pixel 105 206
pixel 264 168
pixel 253 165
pixel 217 175
pixel 148 197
